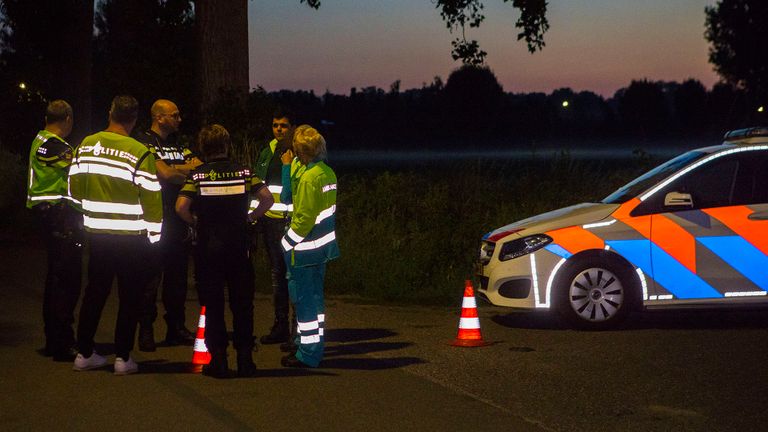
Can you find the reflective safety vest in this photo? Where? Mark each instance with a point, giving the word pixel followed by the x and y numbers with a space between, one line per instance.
pixel 311 238
pixel 278 210
pixel 114 178
pixel 49 160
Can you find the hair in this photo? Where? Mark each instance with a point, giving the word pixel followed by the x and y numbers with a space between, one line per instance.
pixel 57 111
pixel 213 140
pixel 310 141
pixel 283 112
pixel 124 109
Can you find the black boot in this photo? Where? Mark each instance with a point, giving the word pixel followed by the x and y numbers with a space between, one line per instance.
pixel 146 338
pixel 278 334
pixel 245 366
pixel 218 367
pixel 179 335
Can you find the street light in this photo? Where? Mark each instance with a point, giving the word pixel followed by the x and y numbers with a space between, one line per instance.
pixel 760 109
pixel 22 86
pixel 565 104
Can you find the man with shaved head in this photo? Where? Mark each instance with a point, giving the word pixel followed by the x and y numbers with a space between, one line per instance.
pixel 170 257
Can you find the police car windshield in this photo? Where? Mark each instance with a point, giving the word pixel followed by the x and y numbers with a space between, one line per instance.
pixel 647 180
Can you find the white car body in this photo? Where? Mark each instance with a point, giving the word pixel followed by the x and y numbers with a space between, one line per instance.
pixel 693 231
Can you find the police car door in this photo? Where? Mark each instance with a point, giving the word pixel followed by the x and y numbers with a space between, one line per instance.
pixel 709 239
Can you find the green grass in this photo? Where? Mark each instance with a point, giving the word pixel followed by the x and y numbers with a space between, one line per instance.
pixel 413 237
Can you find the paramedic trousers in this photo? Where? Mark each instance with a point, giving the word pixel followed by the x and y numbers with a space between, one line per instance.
pixel 305 285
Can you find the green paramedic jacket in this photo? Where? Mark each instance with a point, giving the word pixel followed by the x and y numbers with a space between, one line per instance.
pixel 278 210
pixel 49 160
pixel 311 238
pixel 114 178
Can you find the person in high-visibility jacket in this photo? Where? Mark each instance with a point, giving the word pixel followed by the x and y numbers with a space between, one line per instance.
pixel 114 178
pixel 55 211
pixel 272 225
pixel 310 241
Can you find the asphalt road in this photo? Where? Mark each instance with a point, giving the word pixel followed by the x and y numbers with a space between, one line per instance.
pixel 391 368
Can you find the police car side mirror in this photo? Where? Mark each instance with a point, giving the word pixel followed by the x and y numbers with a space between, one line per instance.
pixel 678 199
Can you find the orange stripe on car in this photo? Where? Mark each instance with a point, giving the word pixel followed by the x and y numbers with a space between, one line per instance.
pixel 736 218
pixel 675 240
pixel 641 224
pixel 576 239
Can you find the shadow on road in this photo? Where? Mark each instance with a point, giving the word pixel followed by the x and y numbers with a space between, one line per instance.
pixel 370 363
pixel 356 335
pixel 363 348
pixel 655 319
pixel 699 319
pixel 347 347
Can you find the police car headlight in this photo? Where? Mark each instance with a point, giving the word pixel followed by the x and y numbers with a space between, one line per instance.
pixel 524 246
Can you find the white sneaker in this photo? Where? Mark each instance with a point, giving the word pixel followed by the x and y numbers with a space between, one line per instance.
pixel 87 363
pixel 123 367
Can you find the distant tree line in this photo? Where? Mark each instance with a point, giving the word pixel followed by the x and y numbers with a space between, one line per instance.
pixel 150 49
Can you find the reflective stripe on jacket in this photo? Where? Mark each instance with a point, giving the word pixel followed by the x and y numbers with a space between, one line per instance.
pixel 49 160
pixel 114 178
pixel 278 210
pixel 311 237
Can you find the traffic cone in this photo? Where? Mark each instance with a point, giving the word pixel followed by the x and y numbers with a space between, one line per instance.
pixel 469 323
pixel 200 356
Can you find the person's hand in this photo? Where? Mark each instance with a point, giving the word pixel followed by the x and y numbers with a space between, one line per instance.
pixel 287 157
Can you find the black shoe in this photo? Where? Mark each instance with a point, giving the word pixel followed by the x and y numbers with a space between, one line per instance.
pixel 278 334
pixel 179 335
pixel 288 347
pixel 218 367
pixel 65 355
pixel 147 339
pixel 292 362
pixel 245 366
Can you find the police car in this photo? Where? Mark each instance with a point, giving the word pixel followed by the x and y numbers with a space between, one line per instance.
pixel 691 232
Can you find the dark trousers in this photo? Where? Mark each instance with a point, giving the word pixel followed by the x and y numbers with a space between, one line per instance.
pixel 271 231
pixel 169 263
pixel 63 241
pixel 213 270
pixel 110 255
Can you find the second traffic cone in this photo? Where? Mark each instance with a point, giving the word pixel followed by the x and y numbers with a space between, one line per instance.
pixel 469 323
pixel 200 356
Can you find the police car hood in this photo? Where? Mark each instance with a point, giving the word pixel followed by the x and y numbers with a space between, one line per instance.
pixel 578 214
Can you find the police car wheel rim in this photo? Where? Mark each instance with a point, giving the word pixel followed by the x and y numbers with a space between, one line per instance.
pixel 596 295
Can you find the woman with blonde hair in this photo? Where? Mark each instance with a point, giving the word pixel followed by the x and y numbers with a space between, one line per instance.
pixel 310 242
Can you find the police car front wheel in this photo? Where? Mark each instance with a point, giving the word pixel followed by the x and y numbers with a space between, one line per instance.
pixel 595 294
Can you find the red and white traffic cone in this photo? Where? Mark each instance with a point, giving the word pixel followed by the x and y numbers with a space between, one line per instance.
pixel 200 355
pixel 469 323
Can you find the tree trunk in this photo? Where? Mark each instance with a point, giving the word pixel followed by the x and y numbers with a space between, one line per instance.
pixel 222 29
pixel 76 87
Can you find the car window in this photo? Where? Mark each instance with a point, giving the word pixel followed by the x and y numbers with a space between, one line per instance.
pixel 752 179
pixel 652 177
pixel 725 181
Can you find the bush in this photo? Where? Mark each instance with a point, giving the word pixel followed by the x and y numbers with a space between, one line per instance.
pixel 13 183
pixel 414 236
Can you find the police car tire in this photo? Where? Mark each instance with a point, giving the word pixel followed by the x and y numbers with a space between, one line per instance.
pixel 596 293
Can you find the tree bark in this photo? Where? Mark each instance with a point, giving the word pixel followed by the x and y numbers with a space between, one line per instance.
pixel 76 80
pixel 222 29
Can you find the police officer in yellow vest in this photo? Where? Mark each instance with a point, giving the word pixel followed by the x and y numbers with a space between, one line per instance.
pixel 272 225
pixel 49 161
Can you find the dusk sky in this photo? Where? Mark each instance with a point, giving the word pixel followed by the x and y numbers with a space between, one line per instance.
pixel 596 45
